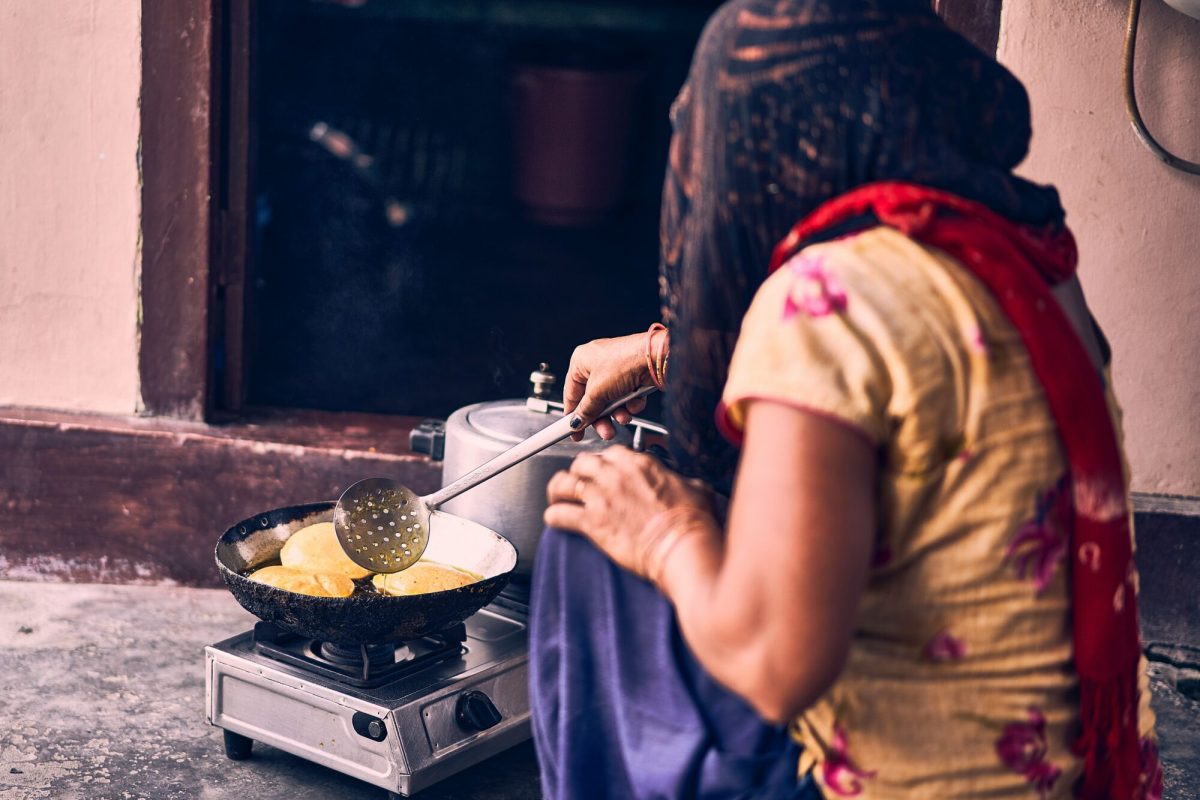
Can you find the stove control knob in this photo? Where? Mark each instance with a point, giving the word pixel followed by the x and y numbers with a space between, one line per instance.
pixel 476 712
pixel 369 726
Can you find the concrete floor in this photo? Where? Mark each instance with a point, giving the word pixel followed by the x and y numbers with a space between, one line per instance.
pixel 102 696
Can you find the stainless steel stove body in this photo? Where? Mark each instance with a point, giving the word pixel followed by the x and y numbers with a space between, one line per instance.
pixel 438 706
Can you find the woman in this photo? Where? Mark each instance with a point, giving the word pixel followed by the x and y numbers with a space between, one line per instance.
pixel 926 570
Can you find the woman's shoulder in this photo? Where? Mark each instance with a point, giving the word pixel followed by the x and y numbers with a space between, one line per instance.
pixel 888 273
pixel 876 323
pixel 840 329
pixel 878 278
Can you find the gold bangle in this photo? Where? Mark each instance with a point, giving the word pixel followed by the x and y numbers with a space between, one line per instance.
pixel 665 530
pixel 664 353
pixel 664 550
pixel 650 368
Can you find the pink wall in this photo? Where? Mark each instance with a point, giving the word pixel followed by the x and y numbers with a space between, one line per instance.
pixel 1137 220
pixel 70 75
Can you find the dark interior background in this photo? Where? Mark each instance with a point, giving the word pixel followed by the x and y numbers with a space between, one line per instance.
pixel 390 268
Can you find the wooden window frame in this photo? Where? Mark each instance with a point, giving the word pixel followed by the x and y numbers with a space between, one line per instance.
pixel 195 222
pixel 177 115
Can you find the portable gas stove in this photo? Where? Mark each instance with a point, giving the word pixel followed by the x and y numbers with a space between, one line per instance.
pixel 401 717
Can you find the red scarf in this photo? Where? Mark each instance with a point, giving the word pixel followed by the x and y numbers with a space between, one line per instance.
pixel 1018 264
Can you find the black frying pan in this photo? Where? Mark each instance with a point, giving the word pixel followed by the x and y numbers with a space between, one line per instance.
pixel 364 617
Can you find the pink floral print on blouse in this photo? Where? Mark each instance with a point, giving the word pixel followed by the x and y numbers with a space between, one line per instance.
pixel 1152 773
pixel 815 291
pixel 1038 547
pixel 1022 748
pixel 842 776
pixel 945 647
pixel 977 341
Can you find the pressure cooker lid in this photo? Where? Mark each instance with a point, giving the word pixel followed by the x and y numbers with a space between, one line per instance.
pixel 511 421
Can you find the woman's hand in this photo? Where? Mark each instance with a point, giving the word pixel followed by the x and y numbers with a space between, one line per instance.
pixel 615 498
pixel 768 605
pixel 601 372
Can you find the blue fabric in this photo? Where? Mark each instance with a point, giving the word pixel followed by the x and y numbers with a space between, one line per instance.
pixel 621 709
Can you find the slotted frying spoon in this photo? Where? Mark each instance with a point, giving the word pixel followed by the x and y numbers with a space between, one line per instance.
pixel 384 526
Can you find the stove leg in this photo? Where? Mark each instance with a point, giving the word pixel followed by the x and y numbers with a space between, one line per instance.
pixel 394 796
pixel 237 747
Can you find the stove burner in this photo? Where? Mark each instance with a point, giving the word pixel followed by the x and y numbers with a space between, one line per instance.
pixel 364 666
pixel 373 655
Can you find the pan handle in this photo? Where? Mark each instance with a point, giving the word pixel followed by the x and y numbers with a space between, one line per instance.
pixel 550 435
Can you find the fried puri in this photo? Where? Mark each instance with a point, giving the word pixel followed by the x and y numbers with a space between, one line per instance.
pixel 424 577
pixel 301 582
pixel 316 549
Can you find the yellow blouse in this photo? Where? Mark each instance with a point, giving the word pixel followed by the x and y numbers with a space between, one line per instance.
pixel 960 681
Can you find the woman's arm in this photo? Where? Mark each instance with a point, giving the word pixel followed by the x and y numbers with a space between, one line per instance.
pixel 770 609
pixel 772 615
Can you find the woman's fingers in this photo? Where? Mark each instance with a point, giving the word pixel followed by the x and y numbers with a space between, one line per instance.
pixel 622 416
pixel 611 496
pixel 564 487
pixel 565 516
pixel 595 483
pixel 623 459
pixel 573 391
pixel 590 409
pixel 590 466
pixel 605 428
pixel 600 372
pixel 593 403
pixel 575 384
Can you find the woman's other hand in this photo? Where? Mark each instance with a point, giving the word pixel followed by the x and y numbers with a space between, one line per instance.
pixel 601 372
pixel 769 606
pixel 613 498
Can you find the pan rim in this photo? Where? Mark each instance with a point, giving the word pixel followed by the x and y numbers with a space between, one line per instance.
pixel 244 528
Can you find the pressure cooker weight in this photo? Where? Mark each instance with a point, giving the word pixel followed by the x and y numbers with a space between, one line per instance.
pixel 312 562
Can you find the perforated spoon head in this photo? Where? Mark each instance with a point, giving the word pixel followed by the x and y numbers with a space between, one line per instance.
pixel 382 525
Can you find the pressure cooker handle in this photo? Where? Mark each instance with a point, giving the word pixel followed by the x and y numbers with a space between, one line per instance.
pixel 550 435
pixel 641 426
pixel 429 438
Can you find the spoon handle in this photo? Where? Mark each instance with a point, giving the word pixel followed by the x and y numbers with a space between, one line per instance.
pixel 550 435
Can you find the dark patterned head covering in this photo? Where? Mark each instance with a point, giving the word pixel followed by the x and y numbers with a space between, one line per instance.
pixel 788 104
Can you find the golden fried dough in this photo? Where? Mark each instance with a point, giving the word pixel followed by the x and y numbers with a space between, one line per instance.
pixel 317 549
pixel 424 577
pixel 294 580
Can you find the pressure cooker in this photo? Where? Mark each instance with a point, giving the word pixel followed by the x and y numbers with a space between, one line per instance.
pixel 512 503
